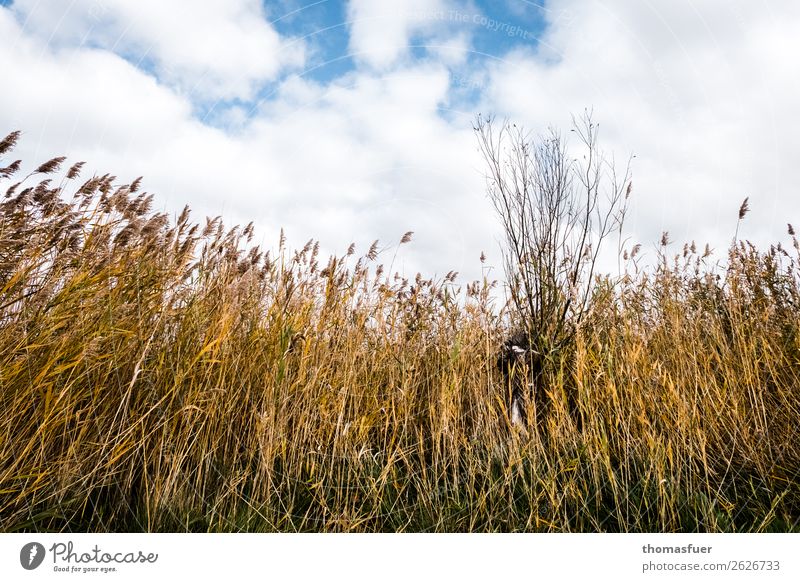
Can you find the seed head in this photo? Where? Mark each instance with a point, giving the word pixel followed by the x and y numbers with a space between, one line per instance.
pixel 50 165
pixel 9 141
pixel 10 169
pixel 372 254
pixel 744 208
pixel 75 170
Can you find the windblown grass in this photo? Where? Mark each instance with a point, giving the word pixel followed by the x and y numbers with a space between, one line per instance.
pixel 160 375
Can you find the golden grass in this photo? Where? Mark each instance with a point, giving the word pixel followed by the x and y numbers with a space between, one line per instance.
pixel 162 376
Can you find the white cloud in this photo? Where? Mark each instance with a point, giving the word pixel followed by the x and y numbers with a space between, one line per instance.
pixel 450 50
pixel 380 30
pixel 367 157
pixel 703 92
pixel 215 49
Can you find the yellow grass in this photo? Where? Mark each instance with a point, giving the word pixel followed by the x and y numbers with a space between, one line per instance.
pixel 161 376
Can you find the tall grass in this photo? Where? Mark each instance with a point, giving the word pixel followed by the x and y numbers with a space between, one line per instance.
pixel 160 375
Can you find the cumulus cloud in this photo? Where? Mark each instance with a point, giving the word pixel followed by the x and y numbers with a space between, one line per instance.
pixel 381 30
pixel 702 93
pixel 217 49
pixel 366 156
pixel 370 157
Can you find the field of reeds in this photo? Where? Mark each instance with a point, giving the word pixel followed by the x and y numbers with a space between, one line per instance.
pixel 162 375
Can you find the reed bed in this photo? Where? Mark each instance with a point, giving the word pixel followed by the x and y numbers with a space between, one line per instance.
pixel 162 375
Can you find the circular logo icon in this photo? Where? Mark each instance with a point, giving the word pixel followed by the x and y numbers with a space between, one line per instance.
pixel 31 555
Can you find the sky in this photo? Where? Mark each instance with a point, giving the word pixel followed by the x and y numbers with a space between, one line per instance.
pixel 350 121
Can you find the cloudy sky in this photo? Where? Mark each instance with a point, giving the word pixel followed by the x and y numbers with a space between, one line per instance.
pixel 351 120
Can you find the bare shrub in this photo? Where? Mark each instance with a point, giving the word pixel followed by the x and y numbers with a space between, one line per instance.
pixel 557 213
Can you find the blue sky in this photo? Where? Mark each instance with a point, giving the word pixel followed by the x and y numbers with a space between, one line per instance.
pixel 349 121
pixel 324 26
pixel 324 23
